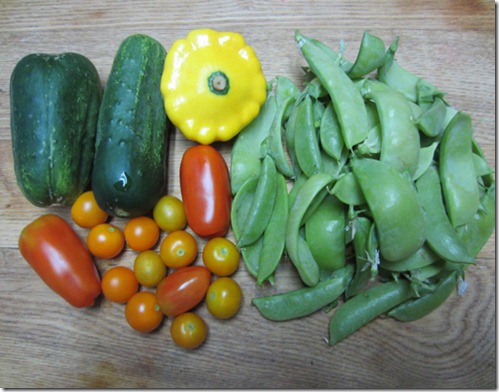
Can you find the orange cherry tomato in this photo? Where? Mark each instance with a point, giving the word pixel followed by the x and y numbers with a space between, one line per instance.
pixel 56 253
pixel 119 284
pixel 169 214
pixel 205 188
pixel 143 313
pixel 85 211
pixel 178 249
pixel 183 289
pixel 141 233
pixel 188 330
pixel 221 256
pixel 105 241
pixel 224 297
pixel 149 268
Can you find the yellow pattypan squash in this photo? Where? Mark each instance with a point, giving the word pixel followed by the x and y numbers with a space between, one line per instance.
pixel 212 85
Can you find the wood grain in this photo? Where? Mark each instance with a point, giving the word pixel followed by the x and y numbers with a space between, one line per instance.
pixel 45 343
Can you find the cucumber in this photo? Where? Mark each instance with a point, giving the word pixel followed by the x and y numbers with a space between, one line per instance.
pixel 130 171
pixel 54 104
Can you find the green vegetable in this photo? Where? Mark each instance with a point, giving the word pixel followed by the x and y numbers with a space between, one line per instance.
pixel 129 174
pixel 54 103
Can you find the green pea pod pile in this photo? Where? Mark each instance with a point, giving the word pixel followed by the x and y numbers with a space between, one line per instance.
pixel 368 182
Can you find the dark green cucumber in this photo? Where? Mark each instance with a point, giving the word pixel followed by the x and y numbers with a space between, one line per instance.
pixel 130 171
pixel 54 105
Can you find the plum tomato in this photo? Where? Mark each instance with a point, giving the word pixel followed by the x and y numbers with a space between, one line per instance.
pixel 119 284
pixel 183 289
pixel 221 256
pixel 205 188
pixel 143 313
pixel 149 268
pixel 141 233
pixel 224 298
pixel 85 211
pixel 105 241
pixel 169 214
pixel 188 330
pixel 178 249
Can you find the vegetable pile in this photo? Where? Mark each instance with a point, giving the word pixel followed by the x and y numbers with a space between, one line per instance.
pixel 366 179
pixel 390 196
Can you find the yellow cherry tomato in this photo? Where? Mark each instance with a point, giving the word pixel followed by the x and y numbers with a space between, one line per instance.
pixel 224 297
pixel 221 256
pixel 188 330
pixel 149 268
pixel 169 214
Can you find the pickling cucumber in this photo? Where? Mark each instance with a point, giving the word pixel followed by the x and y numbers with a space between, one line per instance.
pixel 130 172
pixel 54 103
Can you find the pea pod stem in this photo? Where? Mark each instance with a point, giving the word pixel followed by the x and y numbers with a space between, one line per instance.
pixel 305 301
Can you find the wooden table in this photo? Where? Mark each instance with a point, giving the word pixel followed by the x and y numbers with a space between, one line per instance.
pixel 45 343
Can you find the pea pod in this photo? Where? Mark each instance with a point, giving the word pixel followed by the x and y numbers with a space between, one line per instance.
pixel 457 173
pixel 441 236
pixel 366 306
pixel 426 157
pixel 330 137
pixel 305 301
pixel 295 245
pixel 286 94
pixel 431 121
pixel 245 158
pixel 346 98
pixel 423 257
pixel 477 232
pixel 348 190
pixel 307 149
pixel 263 201
pixel 417 308
pixel 394 205
pixel 370 57
pixel 400 143
pixel 275 233
pixel 325 235
pixel 361 274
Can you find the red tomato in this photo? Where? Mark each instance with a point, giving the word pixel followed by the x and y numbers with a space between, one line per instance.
pixel 183 289
pixel 205 188
pixel 60 258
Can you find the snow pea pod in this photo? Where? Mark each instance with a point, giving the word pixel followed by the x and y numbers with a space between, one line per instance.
pixel 305 301
pixel 394 205
pixel 348 190
pixel 426 155
pixel 417 308
pixel 263 201
pixel 431 121
pixel 307 149
pixel 477 232
pixel 245 155
pixel 347 100
pixel 440 234
pixel 325 235
pixel 457 173
pixel 275 233
pixel 366 306
pixel 296 246
pixel 370 57
pixel 400 143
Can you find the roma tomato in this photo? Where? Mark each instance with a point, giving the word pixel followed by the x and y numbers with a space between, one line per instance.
pixel 60 258
pixel 205 188
pixel 183 289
